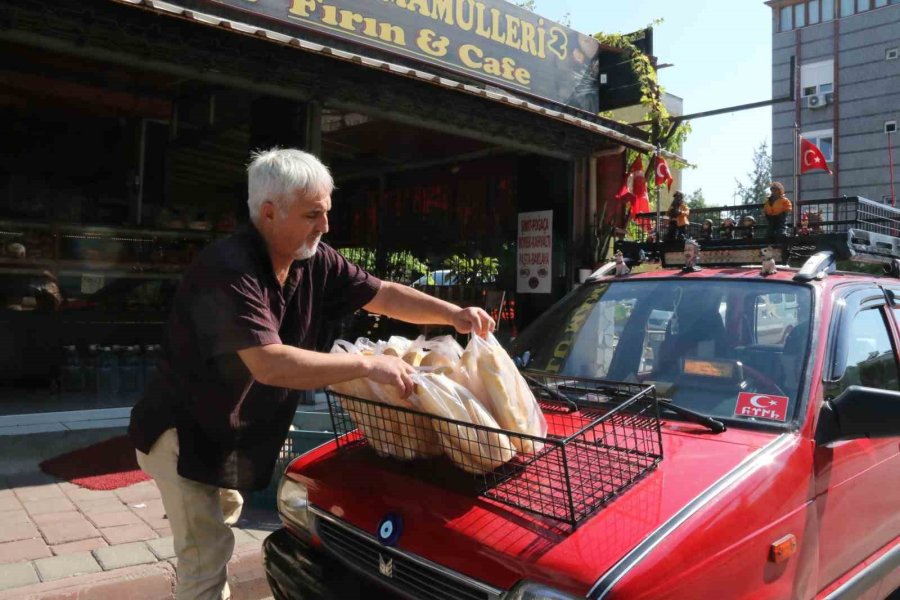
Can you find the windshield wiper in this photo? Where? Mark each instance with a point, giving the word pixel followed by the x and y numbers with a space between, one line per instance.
pixel 714 425
pixel 573 407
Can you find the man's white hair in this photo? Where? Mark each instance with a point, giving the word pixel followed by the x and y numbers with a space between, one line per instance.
pixel 277 174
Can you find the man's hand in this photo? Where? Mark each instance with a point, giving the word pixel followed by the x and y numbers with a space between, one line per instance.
pixel 390 370
pixel 473 320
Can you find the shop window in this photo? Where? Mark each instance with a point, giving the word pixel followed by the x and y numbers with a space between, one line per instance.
pixel 863 5
pixel 870 355
pixel 824 140
pixel 817 77
pixel 827 10
pixel 847 7
pixel 813 12
pixel 799 15
pixel 880 3
pixel 787 18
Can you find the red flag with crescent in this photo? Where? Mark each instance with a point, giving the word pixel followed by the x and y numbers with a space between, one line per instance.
pixel 811 158
pixel 663 175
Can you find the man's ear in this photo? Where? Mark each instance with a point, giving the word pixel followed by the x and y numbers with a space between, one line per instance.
pixel 267 210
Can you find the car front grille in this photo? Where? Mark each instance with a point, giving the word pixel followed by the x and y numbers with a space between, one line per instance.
pixel 408 575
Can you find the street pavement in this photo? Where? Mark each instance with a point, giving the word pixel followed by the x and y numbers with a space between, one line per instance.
pixel 60 541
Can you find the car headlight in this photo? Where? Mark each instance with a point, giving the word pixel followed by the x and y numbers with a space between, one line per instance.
pixel 534 591
pixel 293 502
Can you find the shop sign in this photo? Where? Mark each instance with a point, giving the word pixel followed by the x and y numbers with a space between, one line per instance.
pixel 535 252
pixel 490 40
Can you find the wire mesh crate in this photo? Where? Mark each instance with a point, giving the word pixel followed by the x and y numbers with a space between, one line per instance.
pixel 602 437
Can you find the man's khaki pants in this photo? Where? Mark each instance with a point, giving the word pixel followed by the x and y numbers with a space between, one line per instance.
pixel 200 516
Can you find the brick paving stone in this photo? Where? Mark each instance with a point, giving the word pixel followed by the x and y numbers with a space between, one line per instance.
pixel 46 491
pixel 10 502
pixel 162 548
pixel 128 533
pixel 15 516
pixel 124 555
pixel 17 575
pixel 56 517
pixel 47 505
pixel 20 550
pixel 71 529
pixel 138 493
pixel 100 505
pixel 12 531
pixel 113 519
pixel 79 546
pixel 163 531
pixel 242 538
pixel 67 565
pixel 76 492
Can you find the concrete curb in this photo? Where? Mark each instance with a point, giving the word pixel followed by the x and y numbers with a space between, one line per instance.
pixel 246 577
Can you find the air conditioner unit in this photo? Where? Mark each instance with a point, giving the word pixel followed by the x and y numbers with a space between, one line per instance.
pixel 817 100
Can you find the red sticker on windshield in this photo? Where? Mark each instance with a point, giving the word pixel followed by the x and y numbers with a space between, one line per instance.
pixel 761 406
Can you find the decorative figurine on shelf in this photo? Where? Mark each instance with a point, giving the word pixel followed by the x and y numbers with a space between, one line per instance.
pixel 815 221
pixel 776 209
pixel 621 267
pixel 691 256
pixel 726 229
pixel 678 218
pixel 803 228
pixel 768 263
pixel 706 230
pixel 747 224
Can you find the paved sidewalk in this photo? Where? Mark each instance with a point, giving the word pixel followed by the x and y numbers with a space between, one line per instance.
pixel 58 540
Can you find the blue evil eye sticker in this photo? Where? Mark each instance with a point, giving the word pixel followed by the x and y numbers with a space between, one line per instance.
pixel 389 529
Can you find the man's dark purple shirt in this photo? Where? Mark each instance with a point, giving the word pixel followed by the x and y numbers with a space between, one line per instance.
pixel 230 427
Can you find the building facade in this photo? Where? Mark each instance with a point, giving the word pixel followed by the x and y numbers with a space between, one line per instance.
pixel 847 95
pixel 126 127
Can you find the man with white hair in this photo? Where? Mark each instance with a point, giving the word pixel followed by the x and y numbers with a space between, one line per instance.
pixel 238 345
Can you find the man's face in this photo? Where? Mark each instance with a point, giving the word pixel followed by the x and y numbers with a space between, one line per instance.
pixel 297 233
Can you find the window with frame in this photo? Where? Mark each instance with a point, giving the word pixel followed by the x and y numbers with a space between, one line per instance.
pixel 786 22
pixel 871 361
pixel 880 3
pixel 813 8
pixel 824 140
pixel 800 15
pixel 827 10
pixel 817 77
pixel 847 7
pixel 863 5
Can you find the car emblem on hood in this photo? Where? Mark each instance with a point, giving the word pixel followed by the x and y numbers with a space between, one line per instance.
pixel 386 567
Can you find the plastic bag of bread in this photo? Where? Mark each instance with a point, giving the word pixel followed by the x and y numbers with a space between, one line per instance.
pixel 474 450
pixel 509 399
pixel 443 352
pixel 390 432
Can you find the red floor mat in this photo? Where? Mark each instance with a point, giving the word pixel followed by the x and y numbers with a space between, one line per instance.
pixel 108 465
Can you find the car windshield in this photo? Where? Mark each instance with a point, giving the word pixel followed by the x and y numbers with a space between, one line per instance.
pixel 709 345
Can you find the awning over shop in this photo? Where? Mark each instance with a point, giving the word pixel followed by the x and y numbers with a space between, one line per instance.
pixel 609 130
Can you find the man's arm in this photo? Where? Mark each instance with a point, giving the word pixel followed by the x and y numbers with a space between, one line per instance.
pixel 407 304
pixel 289 367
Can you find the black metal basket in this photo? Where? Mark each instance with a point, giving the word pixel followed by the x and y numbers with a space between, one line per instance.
pixel 602 437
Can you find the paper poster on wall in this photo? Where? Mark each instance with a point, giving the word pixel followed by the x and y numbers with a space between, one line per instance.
pixel 535 251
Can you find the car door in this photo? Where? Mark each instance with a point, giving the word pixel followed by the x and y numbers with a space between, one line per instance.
pixel 858 481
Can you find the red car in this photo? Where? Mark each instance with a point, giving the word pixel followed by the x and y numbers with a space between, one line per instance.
pixel 778 474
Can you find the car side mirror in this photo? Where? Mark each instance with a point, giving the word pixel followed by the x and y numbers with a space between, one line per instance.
pixel 859 412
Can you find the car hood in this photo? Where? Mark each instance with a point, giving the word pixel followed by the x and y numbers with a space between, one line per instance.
pixel 499 545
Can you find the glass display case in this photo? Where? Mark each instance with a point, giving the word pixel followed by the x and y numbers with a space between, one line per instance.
pixel 82 307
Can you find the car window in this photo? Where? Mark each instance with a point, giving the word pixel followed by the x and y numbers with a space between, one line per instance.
pixel 702 343
pixel 870 355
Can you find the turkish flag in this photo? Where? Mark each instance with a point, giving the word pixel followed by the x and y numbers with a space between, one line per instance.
pixel 662 173
pixel 811 157
pixel 641 202
pixel 762 406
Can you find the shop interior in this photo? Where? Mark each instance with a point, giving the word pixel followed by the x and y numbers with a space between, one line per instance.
pixel 113 178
